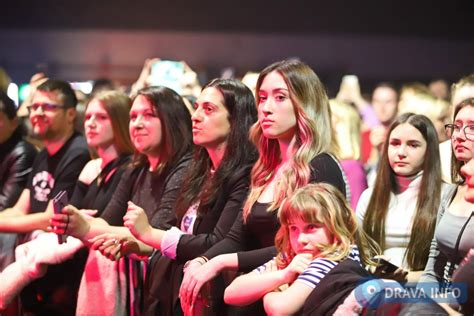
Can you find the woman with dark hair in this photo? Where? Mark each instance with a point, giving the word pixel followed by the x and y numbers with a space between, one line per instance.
pixel 406 193
pixel 215 188
pixel 454 226
pixel 294 139
pixel 160 130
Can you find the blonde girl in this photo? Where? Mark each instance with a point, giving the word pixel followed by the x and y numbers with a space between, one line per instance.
pixel 318 231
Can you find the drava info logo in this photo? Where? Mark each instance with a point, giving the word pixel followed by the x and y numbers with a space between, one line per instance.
pixel 375 292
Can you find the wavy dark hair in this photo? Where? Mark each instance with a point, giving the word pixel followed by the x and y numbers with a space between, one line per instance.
pixel 240 103
pixel 456 175
pixel 175 126
pixel 428 197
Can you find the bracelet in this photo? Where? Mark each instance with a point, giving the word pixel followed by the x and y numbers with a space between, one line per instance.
pixel 186 265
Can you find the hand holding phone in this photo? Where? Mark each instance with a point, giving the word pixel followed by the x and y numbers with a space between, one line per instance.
pixel 59 202
pixel 168 73
pixel 349 90
pixel 384 266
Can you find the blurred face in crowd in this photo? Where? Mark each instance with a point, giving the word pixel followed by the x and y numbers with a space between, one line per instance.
pixel 384 101
pixel 406 150
pixel 276 112
pixel 211 124
pixel 145 127
pixel 98 126
pixel 49 119
pixel 463 148
pixel 7 127
pixel 439 88
pixel 462 94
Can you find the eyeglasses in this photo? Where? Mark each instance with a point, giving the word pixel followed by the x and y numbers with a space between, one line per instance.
pixel 452 128
pixel 46 107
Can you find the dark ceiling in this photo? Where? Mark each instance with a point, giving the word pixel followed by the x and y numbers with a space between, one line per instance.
pixel 415 18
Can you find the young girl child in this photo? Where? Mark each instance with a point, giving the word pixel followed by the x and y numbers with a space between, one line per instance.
pixel 399 212
pixel 318 231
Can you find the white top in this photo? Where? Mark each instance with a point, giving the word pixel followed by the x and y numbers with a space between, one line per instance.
pixel 398 222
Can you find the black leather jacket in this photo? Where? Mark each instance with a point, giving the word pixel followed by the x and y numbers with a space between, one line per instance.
pixel 16 159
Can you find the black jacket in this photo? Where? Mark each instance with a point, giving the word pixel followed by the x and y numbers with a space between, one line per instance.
pixel 16 159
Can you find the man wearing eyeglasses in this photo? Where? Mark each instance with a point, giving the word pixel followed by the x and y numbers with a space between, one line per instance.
pixel 52 114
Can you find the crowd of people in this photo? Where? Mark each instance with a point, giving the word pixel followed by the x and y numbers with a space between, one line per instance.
pixel 235 199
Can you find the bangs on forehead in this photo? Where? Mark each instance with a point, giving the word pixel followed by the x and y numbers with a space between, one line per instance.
pixel 304 208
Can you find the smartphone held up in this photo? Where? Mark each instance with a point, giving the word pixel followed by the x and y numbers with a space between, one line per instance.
pixel 59 202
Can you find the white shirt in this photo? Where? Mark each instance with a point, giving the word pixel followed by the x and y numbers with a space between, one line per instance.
pixel 399 220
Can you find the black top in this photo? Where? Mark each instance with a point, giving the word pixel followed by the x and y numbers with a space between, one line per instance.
pixel 16 159
pixel 211 225
pixel 98 193
pixel 65 277
pixel 60 171
pixel 155 193
pixel 254 240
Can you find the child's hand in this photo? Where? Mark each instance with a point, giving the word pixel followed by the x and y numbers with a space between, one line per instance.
pixel 299 263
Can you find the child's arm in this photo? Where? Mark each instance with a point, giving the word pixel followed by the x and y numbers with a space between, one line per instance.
pixel 291 300
pixel 288 302
pixel 250 287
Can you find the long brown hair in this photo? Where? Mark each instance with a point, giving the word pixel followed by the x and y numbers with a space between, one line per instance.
pixel 428 196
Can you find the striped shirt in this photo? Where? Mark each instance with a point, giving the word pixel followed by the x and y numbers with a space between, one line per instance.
pixel 319 267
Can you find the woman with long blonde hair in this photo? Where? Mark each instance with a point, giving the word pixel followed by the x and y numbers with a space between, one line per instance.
pixel 294 139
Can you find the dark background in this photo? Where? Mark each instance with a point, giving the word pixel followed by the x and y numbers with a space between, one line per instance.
pixel 397 41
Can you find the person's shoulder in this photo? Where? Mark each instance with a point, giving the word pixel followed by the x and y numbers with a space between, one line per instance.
pixel 24 148
pixel 447 190
pixel 367 193
pixel 241 172
pixel 323 159
pixel 90 171
pixel 78 143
